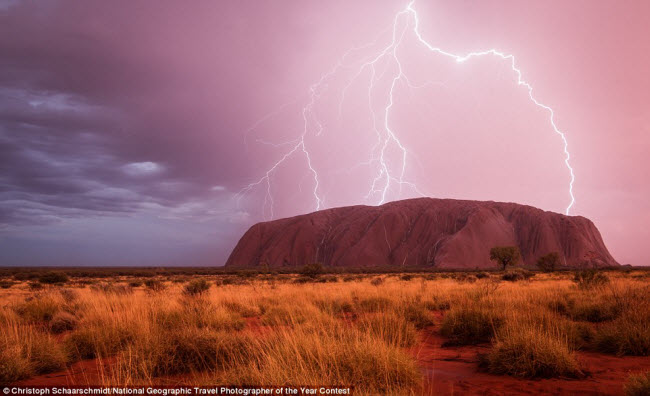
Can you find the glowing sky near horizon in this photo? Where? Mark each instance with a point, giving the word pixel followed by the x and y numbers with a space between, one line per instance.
pixel 127 130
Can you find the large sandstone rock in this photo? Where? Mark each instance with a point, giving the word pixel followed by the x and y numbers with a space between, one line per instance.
pixel 423 232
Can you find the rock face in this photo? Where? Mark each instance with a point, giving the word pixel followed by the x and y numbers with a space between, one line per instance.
pixel 423 232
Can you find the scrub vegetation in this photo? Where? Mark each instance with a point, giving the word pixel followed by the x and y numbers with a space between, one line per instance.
pixel 311 328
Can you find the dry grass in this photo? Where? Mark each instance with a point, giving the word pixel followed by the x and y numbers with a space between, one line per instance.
pixel 356 332
pixel 638 384
pixel 531 350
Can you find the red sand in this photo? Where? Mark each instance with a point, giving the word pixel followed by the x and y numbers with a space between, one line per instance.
pixel 454 370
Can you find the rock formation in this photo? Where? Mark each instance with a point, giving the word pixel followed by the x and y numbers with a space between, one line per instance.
pixel 423 232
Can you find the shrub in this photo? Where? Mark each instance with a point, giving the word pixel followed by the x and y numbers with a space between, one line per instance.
pixel 196 287
pixel 586 309
pixel 330 279
pixel 406 277
pixel 517 274
pixel 135 283
pixel 53 277
pixel 589 279
pixel 437 304
pixel 470 325
pixel 334 306
pixel 531 353
pixel 201 313
pixel 190 350
pixel 638 384
pixel 5 284
pixel 417 314
pixel 111 288
pixel 23 276
pixel 469 279
pixel 14 365
pixel 303 279
pixel 312 270
pixel 377 281
pixel 46 355
pixel 481 275
pixel 154 285
pixel 247 274
pixel 97 340
pixel 27 353
pixel 627 335
pixel 333 357
pixel 62 322
pixel 39 309
pixel 579 335
pixel 246 311
pixel 232 281
pixel 594 311
pixel 69 295
pixel 549 262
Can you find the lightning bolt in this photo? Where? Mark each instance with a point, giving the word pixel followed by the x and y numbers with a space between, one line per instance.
pixel 405 21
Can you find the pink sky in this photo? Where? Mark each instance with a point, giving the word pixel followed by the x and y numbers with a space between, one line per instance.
pixel 140 123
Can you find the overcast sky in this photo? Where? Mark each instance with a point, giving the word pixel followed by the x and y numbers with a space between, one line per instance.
pixel 129 130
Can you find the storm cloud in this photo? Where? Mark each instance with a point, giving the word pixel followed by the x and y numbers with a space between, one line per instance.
pixel 130 127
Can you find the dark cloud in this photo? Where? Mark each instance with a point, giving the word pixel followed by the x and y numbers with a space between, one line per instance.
pixel 96 117
pixel 125 121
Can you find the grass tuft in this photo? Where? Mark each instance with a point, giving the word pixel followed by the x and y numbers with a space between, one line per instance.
pixel 638 384
pixel 531 352
pixel 468 325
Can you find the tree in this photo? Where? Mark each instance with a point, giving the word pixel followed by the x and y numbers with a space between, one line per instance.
pixel 549 262
pixel 505 255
